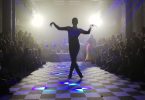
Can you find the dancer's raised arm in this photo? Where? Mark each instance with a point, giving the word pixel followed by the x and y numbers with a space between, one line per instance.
pixel 86 32
pixel 58 27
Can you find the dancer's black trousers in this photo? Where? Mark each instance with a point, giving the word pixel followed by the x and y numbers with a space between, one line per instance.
pixel 74 48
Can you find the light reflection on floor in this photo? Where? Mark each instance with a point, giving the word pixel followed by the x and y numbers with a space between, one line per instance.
pixel 50 82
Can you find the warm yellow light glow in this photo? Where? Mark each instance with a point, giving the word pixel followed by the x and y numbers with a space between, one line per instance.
pixel 96 19
pixel 37 20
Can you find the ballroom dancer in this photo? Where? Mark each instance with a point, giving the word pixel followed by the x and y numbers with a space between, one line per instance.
pixel 74 45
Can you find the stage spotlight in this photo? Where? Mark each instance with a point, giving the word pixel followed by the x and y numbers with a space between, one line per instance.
pixel 37 20
pixel 96 20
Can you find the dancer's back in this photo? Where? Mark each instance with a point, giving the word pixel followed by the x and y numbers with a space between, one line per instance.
pixel 74 46
pixel 73 34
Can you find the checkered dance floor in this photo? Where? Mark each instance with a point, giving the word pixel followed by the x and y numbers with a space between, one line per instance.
pixel 50 83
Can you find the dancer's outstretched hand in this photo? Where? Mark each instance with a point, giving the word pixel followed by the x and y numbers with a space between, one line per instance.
pixel 92 25
pixel 51 23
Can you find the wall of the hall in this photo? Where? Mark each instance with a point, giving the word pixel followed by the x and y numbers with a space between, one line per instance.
pixel 23 13
pixel 138 13
pixel 0 16
pixel 135 16
pixel 144 14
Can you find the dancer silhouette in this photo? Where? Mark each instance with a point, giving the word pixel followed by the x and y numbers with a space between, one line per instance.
pixel 74 45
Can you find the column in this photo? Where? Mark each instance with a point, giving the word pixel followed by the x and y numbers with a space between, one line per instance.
pixel 129 19
pixel 0 16
pixel 8 18
pixel 13 19
pixel 143 14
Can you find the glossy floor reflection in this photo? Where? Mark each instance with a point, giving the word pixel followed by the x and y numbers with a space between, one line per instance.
pixel 51 83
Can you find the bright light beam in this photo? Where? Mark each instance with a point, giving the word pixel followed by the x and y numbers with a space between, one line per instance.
pixel 96 20
pixel 37 20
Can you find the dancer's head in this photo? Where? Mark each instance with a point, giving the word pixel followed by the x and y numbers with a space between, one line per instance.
pixel 74 21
